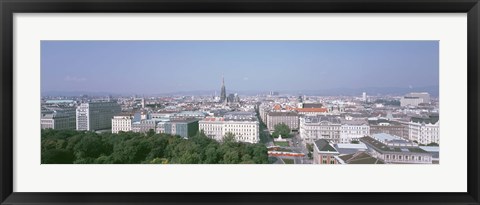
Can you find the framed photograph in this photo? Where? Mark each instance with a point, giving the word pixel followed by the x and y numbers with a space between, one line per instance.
pixel 255 102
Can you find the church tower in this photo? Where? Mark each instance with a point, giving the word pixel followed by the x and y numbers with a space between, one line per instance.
pixel 223 92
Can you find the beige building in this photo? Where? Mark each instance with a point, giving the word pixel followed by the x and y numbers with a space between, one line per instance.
pixel 351 130
pixel 288 118
pixel 320 127
pixel 414 99
pixel 144 125
pixel 212 127
pixel 244 125
pixel 122 123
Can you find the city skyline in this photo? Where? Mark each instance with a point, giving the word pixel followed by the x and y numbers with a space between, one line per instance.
pixel 158 67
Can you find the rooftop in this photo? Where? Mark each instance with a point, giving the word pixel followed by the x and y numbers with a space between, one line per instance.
pixel 58 101
pixel 383 137
pixel 379 146
pixel 360 158
pixel 183 120
pixel 283 114
pixel 317 119
pixel 427 120
pixel 350 148
pixel 311 109
pixel 312 105
pixel 354 122
pixel 430 148
pixel 324 146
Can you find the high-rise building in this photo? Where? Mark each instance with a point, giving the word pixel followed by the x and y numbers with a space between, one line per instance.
pixel 364 97
pixel 96 115
pixel 223 92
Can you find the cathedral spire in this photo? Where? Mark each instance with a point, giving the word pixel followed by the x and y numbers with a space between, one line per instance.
pixel 223 92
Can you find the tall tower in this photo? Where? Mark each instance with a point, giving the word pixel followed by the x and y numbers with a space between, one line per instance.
pixel 223 92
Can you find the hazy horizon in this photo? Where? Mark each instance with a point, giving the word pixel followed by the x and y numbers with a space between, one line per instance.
pixel 156 67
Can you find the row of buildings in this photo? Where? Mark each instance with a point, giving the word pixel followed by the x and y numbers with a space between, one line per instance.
pixel 66 114
pixel 95 116
pixel 422 130
pixel 243 125
pixel 315 121
pixel 185 128
pixel 375 149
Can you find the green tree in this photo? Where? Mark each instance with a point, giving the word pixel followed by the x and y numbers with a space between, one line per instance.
pixel 83 147
pixel 247 159
pixel 212 155
pixel 231 157
pixel 57 156
pixel 150 132
pixel 281 129
pixel 89 146
pixel 229 138
pixel 433 144
pixel 260 154
pixel 310 147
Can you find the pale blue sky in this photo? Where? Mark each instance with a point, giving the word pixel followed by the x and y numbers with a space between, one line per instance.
pixel 153 67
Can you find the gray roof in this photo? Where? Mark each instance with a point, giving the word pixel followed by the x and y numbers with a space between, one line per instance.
pixel 427 120
pixel 283 114
pixel 324 146
pixel 360 158
pixel 381 147
pixel 317 119
pixel 312 105
pixel 350 148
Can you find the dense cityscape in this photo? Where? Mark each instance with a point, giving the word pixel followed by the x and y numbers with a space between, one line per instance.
pixel 222 127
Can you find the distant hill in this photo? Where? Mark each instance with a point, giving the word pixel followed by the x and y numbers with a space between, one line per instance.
pixel 371 91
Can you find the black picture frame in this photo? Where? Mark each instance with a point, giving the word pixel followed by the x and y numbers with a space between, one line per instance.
pixel 9 7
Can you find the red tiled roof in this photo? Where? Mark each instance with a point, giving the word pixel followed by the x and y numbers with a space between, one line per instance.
pixel 277 107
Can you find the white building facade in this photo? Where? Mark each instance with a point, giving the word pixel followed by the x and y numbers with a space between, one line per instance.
pixel 320 127
pixel 353 130
pixel 212 127
pixel 122 123
pixel 243 125
pixel 414 99
pixel 424 133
